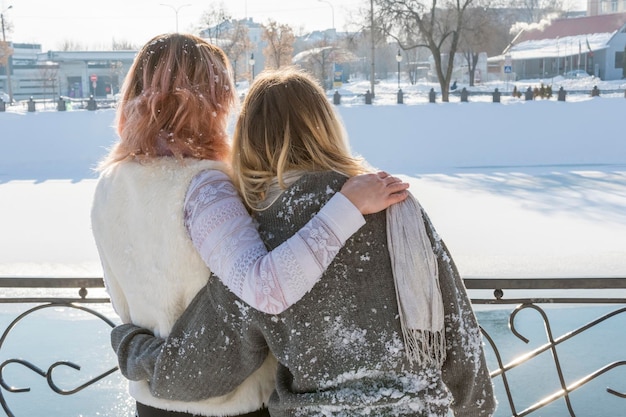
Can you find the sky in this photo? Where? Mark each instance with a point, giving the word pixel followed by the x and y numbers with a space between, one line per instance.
pixel 51 23
pixel 516 189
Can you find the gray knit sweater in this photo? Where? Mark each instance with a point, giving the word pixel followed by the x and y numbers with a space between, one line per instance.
pixel 340 348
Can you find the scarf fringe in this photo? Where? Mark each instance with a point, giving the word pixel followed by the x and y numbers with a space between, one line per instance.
pixel 424 347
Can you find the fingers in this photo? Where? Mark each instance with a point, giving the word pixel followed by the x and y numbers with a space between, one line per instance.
pixel 394 184
pixel 374 192
pixel 397 197
pixel 389 180
pixel 397 186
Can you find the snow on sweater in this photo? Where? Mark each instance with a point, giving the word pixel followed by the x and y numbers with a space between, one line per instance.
pixel 340 348
pixel 152 270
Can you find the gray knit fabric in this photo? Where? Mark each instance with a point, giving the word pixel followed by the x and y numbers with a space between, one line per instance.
pixel 340 348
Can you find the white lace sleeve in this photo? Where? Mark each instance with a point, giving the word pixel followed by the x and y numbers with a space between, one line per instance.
pixel 228 241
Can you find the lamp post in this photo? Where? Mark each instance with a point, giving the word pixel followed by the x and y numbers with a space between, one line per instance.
pixel 176 10
pixel 399 59
pixel 252 62
pixel 332 9
pixel 8 64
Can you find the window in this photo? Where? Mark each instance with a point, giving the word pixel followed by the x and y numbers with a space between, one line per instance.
pixel 619 59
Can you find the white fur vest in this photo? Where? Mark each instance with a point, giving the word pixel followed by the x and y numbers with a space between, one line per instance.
pixel 152 270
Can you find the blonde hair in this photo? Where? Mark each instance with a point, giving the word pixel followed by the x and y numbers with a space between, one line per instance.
pixel 176 100
pixel 287 123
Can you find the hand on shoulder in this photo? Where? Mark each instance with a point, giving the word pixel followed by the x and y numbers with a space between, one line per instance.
pixel 374 192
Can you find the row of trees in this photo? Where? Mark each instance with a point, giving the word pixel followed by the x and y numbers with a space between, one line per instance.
pixel 419 28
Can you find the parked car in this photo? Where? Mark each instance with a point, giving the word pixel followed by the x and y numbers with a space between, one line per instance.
pixel 4 96
pixel 576 74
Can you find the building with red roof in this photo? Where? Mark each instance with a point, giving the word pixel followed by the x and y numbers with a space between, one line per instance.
pixel 593 44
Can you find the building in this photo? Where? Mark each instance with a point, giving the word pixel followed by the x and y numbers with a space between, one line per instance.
pixel 593 44
pixel 598 7
pixel 74 74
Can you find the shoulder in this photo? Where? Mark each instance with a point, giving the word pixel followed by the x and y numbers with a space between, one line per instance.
pixel 212 173
pixel 162 167
pixel 312 190
pixel 324 181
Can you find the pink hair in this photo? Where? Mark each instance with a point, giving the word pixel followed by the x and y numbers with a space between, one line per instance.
pixel 176 100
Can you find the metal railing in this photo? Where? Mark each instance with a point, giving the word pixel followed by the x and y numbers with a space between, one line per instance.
pixel 587 291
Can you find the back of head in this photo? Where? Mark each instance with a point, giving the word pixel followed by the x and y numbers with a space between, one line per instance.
pixel 287 123
pixel 176 100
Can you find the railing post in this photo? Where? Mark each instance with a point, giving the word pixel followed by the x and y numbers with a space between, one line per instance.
pixel 91 103
pixel 61 104
pixel 595 92
pixel 496 95
pixel 31 105
pixel 336 98
pixel 432 95
pixel 464 95
pixel 528 95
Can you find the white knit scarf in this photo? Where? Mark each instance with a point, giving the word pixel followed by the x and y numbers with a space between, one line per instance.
pixel 414 268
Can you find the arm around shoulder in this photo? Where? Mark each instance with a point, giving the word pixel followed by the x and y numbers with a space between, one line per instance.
pixel 204 356
pixel 229 243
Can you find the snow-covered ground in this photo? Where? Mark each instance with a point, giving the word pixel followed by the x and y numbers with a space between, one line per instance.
pixel 521 188
pixel 516 189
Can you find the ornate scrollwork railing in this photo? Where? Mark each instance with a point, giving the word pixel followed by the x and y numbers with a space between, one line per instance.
pixel 605 288
pixel 607 291
pixel 43 303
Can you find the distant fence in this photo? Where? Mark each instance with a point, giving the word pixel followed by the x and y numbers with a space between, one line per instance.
pixel 64 103
pixel 468 95
pixel 556 291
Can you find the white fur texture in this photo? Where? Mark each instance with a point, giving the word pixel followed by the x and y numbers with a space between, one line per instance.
pixel 152 270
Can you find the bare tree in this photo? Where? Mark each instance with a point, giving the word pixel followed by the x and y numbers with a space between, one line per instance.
pixel 280 40
pixel 237 45
pixel 5 53
pixel 477 33
pixel 487 29
pixel 49 74
pixel 123 45
pixel 71 45
pixel 435 26
pixel 316 61
pixel 116 72
pixel 360 43
pixel 533 11
pixel 215 19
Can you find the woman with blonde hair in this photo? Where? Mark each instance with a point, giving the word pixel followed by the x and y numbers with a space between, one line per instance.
pixel 165 213
pixel 388 330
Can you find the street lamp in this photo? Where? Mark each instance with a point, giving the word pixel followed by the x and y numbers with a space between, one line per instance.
pixel 399 59
pixel 8 64
pixel 176 10
pixel 332 9
pixel 251 62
